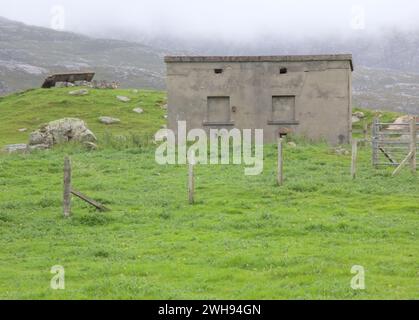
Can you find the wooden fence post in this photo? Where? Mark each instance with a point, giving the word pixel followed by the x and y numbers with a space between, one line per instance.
pixel 67 187
pixel 191 182
pixel 413 141
pixel 374 141
pixel 354 157
pixel 365 132
pixel 280 177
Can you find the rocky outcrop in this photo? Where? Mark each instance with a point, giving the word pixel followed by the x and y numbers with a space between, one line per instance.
pixel 400 123
pixel 16 148
pixel 61 131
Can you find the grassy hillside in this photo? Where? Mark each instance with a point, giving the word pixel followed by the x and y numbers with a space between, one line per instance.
pixel 32 108
pixel 244 238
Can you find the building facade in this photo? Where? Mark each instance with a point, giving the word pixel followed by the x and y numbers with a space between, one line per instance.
pixel 307 96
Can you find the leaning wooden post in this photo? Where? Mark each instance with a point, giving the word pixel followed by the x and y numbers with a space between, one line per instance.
pixel 67 187
pixel 280 177
pixel 413 141
pixel 354 157
pixel 191 182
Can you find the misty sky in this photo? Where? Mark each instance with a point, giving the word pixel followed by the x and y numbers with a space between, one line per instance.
pixel 243 19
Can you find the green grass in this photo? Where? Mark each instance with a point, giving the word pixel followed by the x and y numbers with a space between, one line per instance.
pixel 245 238
pixel 32 108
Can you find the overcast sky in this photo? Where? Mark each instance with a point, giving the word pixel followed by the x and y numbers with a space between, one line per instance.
pixel 244 19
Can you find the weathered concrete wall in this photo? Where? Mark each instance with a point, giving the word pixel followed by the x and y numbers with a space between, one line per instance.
pixel 312 99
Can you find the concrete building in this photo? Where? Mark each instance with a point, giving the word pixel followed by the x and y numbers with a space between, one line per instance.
pixel 305 95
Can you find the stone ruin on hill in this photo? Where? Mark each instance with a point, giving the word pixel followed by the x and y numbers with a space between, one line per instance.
pixel 102 84
pixel 78 79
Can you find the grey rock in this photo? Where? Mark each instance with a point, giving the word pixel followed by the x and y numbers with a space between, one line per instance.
pixel 61 131
pixel 109 120
pixel 359 114
pixel 64 84
pixel 400 123
pixel 123 98
pixel 85 136
pixel 39 147
pixel 138 110
pixel 292 144
pixel 23 130
pixel 90 145
pixel 15 148
pixel 81 92
pixel 38 137
pixel 355 119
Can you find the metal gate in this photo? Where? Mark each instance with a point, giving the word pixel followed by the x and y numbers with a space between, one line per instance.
pixel 395 144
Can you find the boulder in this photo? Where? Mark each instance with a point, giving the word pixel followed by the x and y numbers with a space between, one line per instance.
pixel 355 119
pixel 359 114
pixel 14 148
pixel 61 131
pixel 397 124
pixel 109 120
pixel 90 145
pixel 123 98
pixel 81 92
pixel 292 144
pixel 23 130
pixel 138 110
pixel 38 147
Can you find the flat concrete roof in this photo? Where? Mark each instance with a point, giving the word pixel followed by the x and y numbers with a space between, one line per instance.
pixel 295 58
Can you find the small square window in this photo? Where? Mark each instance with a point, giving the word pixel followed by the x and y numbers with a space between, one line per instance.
pixel 283 108
pixel 218 71
pixel 218 109
pixel 283 70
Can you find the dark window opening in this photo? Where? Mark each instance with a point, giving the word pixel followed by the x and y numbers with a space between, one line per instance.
pixel 283 70
pixel 218 71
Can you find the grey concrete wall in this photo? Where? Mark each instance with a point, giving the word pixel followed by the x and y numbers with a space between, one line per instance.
pixel 322 91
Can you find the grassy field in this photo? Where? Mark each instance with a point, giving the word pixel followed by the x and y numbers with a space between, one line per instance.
pixel 30 109
pixel 245 238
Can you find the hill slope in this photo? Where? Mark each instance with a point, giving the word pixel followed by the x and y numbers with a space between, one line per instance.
pixel 29 53
pixel 385 89
pixel 32 108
